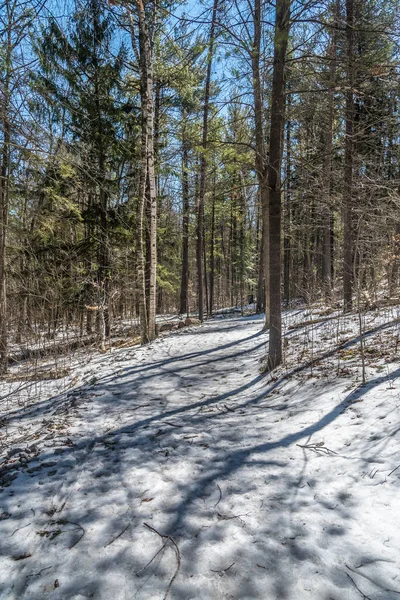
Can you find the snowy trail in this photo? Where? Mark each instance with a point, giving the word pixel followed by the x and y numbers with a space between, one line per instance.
pixel 187 437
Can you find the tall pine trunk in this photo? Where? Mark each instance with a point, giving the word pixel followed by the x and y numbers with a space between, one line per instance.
pixel 274 180
pixel 327 216
pixel 203 167
pixel 261 160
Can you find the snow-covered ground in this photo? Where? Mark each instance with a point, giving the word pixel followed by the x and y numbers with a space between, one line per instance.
pixel 178 470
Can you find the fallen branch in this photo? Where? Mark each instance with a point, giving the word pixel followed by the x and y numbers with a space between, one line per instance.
pixel 177 554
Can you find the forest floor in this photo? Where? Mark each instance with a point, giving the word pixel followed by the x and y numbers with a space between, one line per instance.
pixel 179 470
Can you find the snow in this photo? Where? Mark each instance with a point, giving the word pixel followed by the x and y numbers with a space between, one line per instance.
pixel 280 486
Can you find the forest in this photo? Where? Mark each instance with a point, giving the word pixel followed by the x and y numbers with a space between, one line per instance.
pixel 199 299
pixel 170 158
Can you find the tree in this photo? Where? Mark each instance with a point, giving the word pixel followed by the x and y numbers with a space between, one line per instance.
pixel 348 163
pixel 203 164
pixel 78 71
pixel 282 24
pixel 14 21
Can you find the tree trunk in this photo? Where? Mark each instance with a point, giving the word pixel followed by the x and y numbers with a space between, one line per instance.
pixel 261 163
pixel 348 163
pixel 183 307
pixel 274 179
pixel 4 198
pixel 327 216
pixel 203 166
pixel 286 237
pixel 147 106
pixel 212 252
pixel 4 184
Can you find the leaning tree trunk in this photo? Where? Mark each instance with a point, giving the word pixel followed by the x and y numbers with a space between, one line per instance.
pixel 274 179
pixel 203 167
pixel 348 163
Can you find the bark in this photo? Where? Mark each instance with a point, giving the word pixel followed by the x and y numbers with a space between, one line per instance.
pixel 260 299
pixel 286 238
pixel 148 170
pixel 103 271
pixel 203 166
pixel 327 216
pixel 212 252
pixel 184 307
pixel 4 198
pixel 274 179
pixel 348 163
pixel 260 162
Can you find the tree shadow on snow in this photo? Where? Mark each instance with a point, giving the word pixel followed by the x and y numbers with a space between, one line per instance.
pixel 237 500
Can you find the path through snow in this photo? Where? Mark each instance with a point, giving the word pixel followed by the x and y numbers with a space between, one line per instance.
pixel 187 437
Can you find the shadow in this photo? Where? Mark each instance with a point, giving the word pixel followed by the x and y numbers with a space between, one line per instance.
pixel 253 515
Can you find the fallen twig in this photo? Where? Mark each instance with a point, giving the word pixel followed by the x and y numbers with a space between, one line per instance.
pixel 317 448
pixel 357 588
pixel 223 571
pixel 152 559
pixel 65 522
pixel 226 518
pixel 390 590
pixel 177 554
pixel 19 529
pixel 117 536
pixel 137 407
pixel 398 467
pixel 220 496
pixel 40 572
